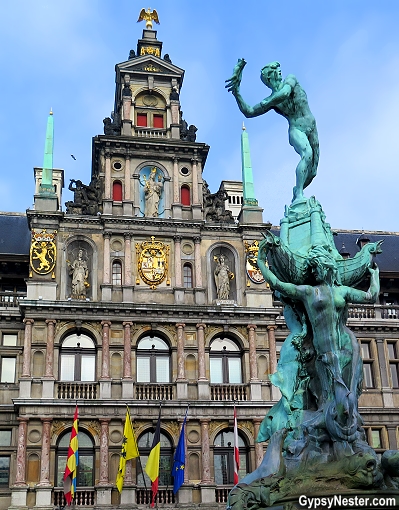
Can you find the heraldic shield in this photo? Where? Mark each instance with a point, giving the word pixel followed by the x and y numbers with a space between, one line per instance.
pixel 43 252
pixel 152 261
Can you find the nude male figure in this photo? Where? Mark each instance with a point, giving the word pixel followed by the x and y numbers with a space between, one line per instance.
pixel 289 100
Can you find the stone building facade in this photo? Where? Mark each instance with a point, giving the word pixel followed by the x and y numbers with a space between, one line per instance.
pixel 143 292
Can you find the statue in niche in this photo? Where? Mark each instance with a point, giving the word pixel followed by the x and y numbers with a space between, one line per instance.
pixel 79 271
pixel 152 193
pixel 289 100
pixel 223 275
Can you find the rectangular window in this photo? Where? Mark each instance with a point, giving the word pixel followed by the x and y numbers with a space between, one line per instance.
pixel 216 370
pixel 376 441
pixel 10 339
pixel 8 370
pixel 368 360
pixel 393 363
pixel 85 471
pixel 67 367
pixel 142 119
pixel 143 369
pixel 162 375
pixel 234 370
pixel 158 121
pixel 4 470
pixel 88 367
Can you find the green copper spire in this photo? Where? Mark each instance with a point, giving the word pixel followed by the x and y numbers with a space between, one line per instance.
pixel 47 175
pixel 247 178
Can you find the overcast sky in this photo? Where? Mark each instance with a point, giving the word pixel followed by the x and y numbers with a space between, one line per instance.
pixel 345 54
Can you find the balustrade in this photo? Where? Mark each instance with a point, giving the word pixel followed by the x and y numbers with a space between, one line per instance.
pixel 11 299
pixel 229 392
pixel 154 391
pixel 222 494
pixel 77 390
pixel 143 497
pixel 83 497
pixel 151 133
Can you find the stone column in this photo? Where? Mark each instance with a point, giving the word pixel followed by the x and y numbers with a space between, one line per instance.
pixel 128 259
pixel 20 476
pixel 254 383
pixel 45 461
pixel 195 181
pixel 127 381
pixel 126 122
pixel 176 188
pixel 107 180
pixel 107 256
pixel 201 351
pixel 104 487
pixel 197 261
pixel 178 278
pixel 180 351
pixel 275 392
pixel 27 348
pixel 104 452
pixel 258 446
pixel 49 371
pixel 127 178
pixel 205 451
pixel 181 381
pixel 253 366
pixel 105 381
pixel 105 343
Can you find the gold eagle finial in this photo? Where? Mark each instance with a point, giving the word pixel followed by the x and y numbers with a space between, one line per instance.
pixel 148 16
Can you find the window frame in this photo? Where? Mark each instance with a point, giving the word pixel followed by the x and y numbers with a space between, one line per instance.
pixel 84 451
pixel 153 354
pixel 393 363
pixel 228 453
pixel 188 282
pixel 115 263
pixel 166 452
pixel 368 364
pixel 79 353
pixel 225 356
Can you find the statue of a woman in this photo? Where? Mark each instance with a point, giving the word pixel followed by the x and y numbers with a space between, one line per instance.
pixel 330 363
pixel 223 275
pixel 152 194
pixel 80 272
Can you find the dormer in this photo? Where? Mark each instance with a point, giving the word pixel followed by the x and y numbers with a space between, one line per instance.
pixel 147 91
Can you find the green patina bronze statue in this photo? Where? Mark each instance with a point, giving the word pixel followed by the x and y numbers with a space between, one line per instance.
pixel 316 438
pixel 289 100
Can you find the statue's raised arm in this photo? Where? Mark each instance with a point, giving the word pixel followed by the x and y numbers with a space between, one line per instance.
pixel 289 100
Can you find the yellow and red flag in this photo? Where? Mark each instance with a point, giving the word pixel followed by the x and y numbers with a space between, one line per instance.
pixel 152 466
pixel 129 450
pixel 71 469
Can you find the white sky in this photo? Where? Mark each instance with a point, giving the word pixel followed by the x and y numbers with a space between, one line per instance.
pixel 345 54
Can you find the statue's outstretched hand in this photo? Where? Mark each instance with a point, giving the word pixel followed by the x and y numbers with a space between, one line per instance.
pixel 233 83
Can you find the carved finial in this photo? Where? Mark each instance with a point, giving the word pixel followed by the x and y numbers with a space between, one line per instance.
pixel 243 126
pixel 148 16
pixel 51 111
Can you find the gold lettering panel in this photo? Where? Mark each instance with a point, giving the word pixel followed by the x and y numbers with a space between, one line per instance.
pixel 152 262
pixel 43 252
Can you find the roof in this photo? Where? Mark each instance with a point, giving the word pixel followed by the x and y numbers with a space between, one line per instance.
pixel 14 234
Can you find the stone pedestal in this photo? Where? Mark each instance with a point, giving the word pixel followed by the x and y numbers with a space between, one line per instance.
pixel 45 290
pixel 185 494
pixel 250 214
pixel 105 388
pixel 181 390
pixel 104 495
pixel 43 498
pixel 128 497
pixel 256 391
pixel 199 296
pixel 48 388
pixel 25 388
pixel 127 389
pixel 106 292
pixel 127 293
pixel 197 211
pixel 107 206
pixel 18 497
pixel 177 211
pixel 259 299
pixel 179 295
pixel 127 207
pixel 208 494
pixel 203 390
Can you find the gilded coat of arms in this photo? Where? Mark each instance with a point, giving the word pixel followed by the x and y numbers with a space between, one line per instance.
pixel 152 262
pixel 43 252
pixel 251 264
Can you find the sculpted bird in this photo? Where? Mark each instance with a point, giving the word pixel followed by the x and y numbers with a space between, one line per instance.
pixel 148 16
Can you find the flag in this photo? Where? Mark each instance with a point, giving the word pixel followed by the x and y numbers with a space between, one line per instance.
pixel 129 450
pixel 236 450
pixel 71 469
pixel 179 460
pixel 152 466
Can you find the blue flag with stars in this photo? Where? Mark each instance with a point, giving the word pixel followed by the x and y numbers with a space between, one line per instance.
pixel 179 460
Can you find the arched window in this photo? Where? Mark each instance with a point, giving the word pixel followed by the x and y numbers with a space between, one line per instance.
pixel 225 361
pixel 144 444
pixel 187 276
pixel 78 359
pixel 153 360
pixel 223 457
pixel 116 273
pixel 185 195
pixel 85 476
pixel 117 191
